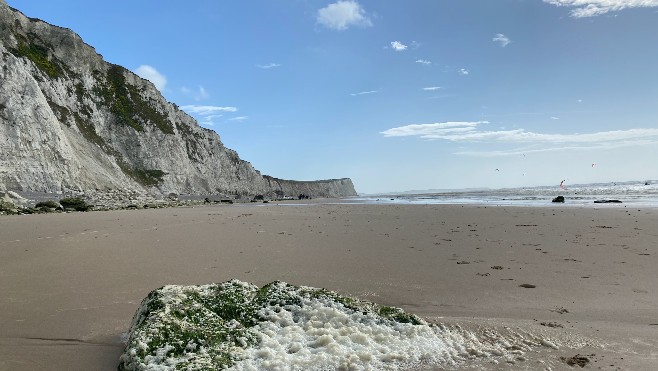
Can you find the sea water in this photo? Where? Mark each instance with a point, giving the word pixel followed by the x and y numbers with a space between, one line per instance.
pixel 635 193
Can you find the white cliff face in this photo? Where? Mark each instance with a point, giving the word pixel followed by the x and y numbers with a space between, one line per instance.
pixel 34 154
pixel 71 121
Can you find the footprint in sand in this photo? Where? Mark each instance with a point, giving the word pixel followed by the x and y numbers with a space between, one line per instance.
pixel 560 310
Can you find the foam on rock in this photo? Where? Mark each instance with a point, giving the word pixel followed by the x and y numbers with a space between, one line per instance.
pixel 238 326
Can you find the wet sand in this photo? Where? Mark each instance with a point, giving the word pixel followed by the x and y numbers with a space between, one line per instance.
pixel 70 283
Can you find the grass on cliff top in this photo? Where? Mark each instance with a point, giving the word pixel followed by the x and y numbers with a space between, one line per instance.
pixel 208 327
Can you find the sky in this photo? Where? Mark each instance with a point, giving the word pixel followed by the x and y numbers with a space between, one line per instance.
pixel 400 95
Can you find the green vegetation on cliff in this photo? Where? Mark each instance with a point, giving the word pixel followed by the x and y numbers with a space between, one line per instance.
pixel 128 105
pixel 38 54
pixel 142 176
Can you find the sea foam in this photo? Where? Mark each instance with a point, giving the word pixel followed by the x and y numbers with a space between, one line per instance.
pixel 238 326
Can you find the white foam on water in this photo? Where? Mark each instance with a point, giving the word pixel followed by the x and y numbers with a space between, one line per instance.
pixel 635 193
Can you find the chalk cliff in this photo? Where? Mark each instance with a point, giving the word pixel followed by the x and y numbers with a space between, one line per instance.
pixel 71 121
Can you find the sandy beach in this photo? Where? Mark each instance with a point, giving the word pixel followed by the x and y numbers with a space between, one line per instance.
pixel 70 283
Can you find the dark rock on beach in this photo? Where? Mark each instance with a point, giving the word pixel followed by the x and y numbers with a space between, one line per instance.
pixel 558 199
pixel 607 202
pixel 577 360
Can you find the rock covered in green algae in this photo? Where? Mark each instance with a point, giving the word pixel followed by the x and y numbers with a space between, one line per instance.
pixel 215 326
pixel 238 326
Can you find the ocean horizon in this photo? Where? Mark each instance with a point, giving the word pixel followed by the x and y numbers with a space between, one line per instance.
pixel 636 193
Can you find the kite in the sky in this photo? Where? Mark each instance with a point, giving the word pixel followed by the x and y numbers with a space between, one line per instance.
pixel 593 164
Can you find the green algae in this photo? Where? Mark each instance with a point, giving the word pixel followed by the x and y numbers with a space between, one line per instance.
pixel 75 203
pixel 208 327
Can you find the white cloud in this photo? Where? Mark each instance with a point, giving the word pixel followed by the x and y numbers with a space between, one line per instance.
pixel 239 118
pixel 201 93
pixel 423 61
pixel 207 115
pixel 554 118
pixel 398 46
pixel 198 94
pixel 209 120
pixel 588 147
pixel 441 96
pixel 430 130
pixel 463 71
pixel 343 14
pixel 432 88
pixel 206 110
pixel 501 39
pixel 148 72
pixel 468 132
pixel 590 8
pixel 365 92
pixel 268 66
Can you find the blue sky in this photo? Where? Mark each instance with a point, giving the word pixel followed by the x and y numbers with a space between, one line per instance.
pixel 400 95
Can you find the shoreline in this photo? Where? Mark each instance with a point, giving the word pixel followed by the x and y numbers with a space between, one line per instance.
pixel 71 282
pixel 620 194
